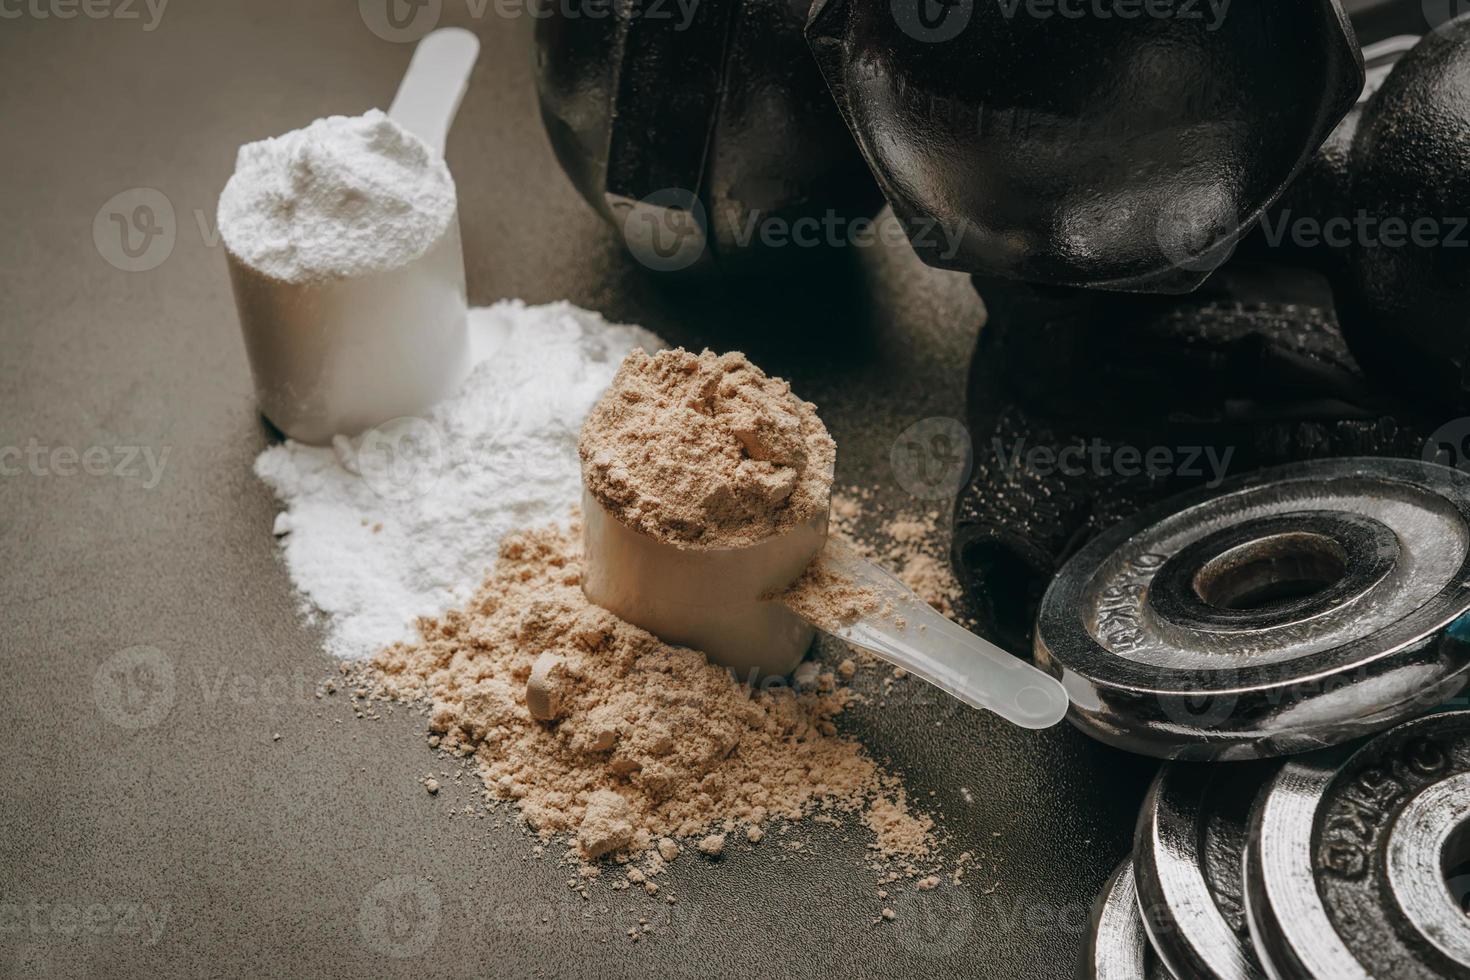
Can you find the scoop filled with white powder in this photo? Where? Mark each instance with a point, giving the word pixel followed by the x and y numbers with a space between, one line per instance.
pixel 344 251
pixel 345 196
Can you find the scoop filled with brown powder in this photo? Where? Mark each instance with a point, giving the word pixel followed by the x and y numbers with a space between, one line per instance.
pixel 706 489
pixel 706 451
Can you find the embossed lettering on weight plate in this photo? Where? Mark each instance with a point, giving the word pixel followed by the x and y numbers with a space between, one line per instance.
pixel 1119 606
pixel 1364 807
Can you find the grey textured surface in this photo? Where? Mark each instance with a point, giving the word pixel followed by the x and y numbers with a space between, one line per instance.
pixel 258 857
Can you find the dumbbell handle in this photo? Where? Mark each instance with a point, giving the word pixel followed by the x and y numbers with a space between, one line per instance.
pixel 1323 190
pixel 669 82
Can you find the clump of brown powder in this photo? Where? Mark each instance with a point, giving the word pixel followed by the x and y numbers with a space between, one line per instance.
pixel 649 741
pixel 705 450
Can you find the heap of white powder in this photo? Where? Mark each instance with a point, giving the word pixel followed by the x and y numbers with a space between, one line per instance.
pixel 405 520
pixel 345 196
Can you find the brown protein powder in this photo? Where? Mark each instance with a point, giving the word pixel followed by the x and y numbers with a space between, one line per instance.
pixel 705 450
pixel 646 742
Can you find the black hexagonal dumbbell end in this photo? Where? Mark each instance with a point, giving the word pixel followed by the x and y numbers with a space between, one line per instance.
pixel 1043 141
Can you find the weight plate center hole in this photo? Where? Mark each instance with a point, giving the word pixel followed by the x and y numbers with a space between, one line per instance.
pixel 1271 571
pixel 1455 862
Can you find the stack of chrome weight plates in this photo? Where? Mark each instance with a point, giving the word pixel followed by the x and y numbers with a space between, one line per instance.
pixel 1316 609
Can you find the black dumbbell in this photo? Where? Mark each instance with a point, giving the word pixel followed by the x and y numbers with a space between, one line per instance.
pixel 1060 142
pixel 701 129
pixel 1405 308
pixel 1385 211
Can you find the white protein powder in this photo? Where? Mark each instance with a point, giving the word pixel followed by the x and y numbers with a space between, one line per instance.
pixel 405 520
pixel 345 196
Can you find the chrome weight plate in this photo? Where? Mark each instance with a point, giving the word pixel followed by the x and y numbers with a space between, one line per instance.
pixel 1187 857
pixel 1118 947
pixel 1356 863
pixel 1286 610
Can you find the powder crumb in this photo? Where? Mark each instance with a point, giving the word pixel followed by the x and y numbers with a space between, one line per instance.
pixel 432 786
pixel 544 686
pixel 605 824
pixel 932 580
pixel 754 834
pixel 888 914
pixel 847 509
pixel 961 866
pixel 712 846
pixel 653 743
pixel 898 830
pixel 847 669
pixel 927 884
pixel 805 674
pixel 706 451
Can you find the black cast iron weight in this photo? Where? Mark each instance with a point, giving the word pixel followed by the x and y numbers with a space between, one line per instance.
pixel 700 129
pixel 1068 144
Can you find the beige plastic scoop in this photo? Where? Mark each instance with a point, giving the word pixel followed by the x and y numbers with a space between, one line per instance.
pixel 339 356
pixel 715 600
pixel 709 599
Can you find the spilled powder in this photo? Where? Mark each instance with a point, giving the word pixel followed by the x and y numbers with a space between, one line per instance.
pixel 651 743
pixel 706 450
pixel 897 830
pixel 911 544
pixel 828 599
pixel 371 548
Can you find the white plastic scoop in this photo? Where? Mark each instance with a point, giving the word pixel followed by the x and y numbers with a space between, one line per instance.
pixel 718 600
pixel 438 73
pixel 931 646
pixel 339 356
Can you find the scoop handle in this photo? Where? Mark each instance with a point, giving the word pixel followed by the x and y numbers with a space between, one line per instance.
pixel 942 652
pixel 435 83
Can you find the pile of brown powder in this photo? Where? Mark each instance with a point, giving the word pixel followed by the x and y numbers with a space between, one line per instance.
pixel 649 741
pixel 705 450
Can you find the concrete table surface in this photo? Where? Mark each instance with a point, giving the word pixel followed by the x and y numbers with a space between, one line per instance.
pixel 150 824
